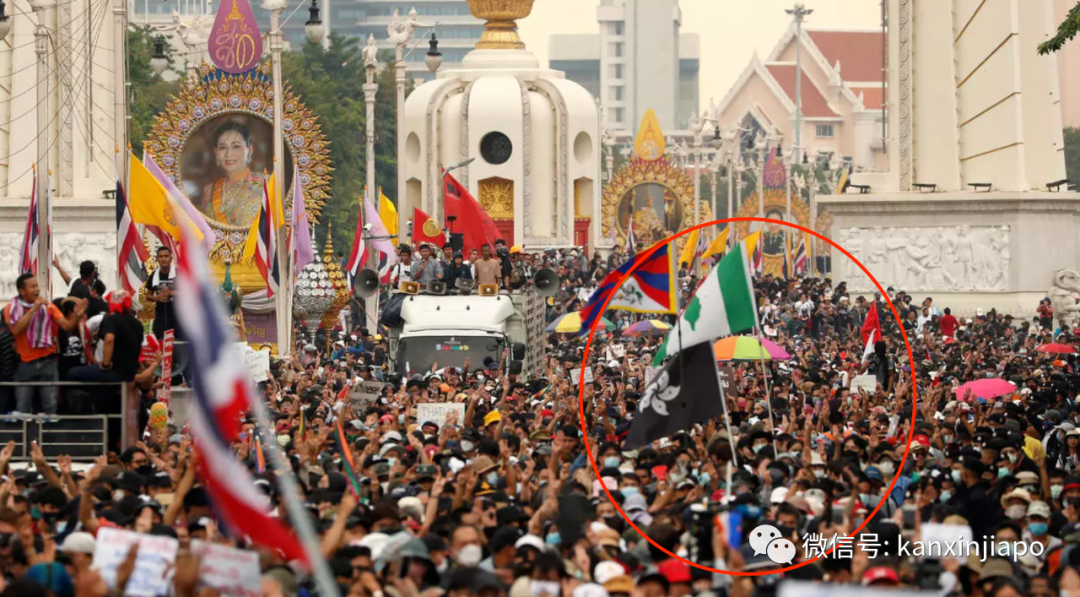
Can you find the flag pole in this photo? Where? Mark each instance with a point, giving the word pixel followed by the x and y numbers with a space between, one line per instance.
pixel 299 516
pixel 768 387
pixel 727 417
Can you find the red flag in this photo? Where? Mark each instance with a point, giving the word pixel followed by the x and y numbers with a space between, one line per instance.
pixel 472 221
pixel 426 230
pixel 871 330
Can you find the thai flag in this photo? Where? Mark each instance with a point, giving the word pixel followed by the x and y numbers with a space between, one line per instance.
pixel 758 262
pixel 800 258
pixel 28 253
pixel 359 255
pixel 266 251
pixel 133 253
pixel 631 242
pixel 223 394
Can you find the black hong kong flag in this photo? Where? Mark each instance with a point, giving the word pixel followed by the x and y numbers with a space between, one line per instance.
pixel 683 393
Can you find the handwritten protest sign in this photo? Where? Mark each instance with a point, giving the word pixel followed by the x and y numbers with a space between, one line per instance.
pixel 365 394
pixel 438 411
pixel 575 375
pixel 258 363
pixel 233 572
pixel 865 385
pixel 618 350
pixel 153 567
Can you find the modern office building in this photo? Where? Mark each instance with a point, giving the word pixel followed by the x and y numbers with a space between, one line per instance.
pixel 638 60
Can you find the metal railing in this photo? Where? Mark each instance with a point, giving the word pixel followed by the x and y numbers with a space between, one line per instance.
pixel 83 437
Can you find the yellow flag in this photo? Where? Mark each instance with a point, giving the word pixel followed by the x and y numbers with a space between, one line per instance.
pixel 719 245
pixel 388 214
pixel 690 248
pixel 751 243
pixel 150 205
pixel 649 144
pixel 252 243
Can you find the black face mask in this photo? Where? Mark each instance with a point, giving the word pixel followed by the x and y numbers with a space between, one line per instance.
pixel 146 470
pixel 616 523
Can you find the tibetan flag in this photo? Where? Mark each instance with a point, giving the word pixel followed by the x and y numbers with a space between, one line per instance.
pixel 28 252
pixel 358 256
pixel 348 463
pixel 426 229
pixel 719 244
pixel 388 214
pixel 723 305
pixel 685 392
pixel 132 254
pixel 649 289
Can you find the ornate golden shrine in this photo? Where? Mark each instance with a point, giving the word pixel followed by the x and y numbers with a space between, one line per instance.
pixel 215 94
pixel 497 197
pixel 652 174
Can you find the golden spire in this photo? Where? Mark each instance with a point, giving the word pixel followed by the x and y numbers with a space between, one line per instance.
pixel 500 31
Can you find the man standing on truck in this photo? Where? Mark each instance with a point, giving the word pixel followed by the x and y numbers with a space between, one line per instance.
pixel 488 269
pixel 402 271
pixel 428 269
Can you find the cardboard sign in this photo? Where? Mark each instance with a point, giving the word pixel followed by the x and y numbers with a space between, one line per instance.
pixel 438 411
pixel 864 385
pixel 232 572
pixel 258 363
pixel 153 567
pixel 726 377
pixel 165 391
pixel 618 350
pixel 365 394
pixel 575 376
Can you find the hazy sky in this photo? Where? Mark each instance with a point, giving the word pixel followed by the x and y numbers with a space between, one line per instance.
pixel 730 30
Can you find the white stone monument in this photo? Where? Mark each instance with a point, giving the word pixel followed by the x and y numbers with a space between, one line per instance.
pixel 974 111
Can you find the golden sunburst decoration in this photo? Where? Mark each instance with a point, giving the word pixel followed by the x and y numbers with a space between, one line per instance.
pixel 638 172
pixel 217 93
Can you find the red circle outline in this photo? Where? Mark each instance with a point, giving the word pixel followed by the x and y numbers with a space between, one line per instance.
pixel 581 396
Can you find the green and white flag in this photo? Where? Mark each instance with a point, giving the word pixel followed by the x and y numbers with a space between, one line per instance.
pixel 723 305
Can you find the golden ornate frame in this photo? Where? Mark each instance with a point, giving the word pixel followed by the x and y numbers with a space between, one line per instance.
pixel 660 172
pixel 218 93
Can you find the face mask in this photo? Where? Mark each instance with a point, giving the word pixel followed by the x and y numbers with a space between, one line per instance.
pixel 629 491
pixel 467 446
pixel 946 495
pixel 469 556
pixel 1055 491
pixel 283 440
pixel 392 462
pixel 1013 458
pixel 1003 472
pixel 887 467
pixel 819 473
pixel 1038 528
pixel 493 478
pixel 705 478
pixel 1016 512
pixel 916 476
pixel 385 486
pixel 612 462
pixel 758 448
pixel 956 476
pixel 544 587
pixel 867 499
pixel 118 495
pixel 947 439
pixel 553 539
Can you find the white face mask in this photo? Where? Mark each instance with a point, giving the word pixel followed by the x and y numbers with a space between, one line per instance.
pixel 887 467
pixel 118 495
pixel 1016 512
pixel 544 587
pixel 469 556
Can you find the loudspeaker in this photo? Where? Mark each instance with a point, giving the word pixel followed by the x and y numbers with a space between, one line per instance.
pixel 434 287
pixel 464 286
pixel 367 284
pixel 457 241
pixel 516 367
pixel 489 289
pixel 546 282
pixel 517 351
pixel 180 358
pixel 409 287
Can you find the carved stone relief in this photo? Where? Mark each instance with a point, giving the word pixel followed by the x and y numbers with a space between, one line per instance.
pixel 70 249
pixel 958 259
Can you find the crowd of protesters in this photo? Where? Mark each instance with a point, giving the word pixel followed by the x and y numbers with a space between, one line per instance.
pixel 513 499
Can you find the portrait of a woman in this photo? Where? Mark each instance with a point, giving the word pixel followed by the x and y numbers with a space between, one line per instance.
pixel 236 192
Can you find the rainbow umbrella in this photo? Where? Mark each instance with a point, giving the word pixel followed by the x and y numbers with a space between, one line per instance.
pixel 651 327
pixel 747 348
pixel 571 324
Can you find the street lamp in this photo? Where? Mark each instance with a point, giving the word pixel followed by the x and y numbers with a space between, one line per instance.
pixel 158 62
pixel 313 28
pixel 5 23
pixel 433 59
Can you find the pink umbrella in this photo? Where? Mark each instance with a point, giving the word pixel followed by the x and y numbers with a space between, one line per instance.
pixel 985 388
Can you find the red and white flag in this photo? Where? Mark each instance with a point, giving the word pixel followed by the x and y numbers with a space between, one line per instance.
pixel 266 246
pixel 132 254
pixel 359 254
pixel 224 393
pixel 28 253
pixel 871 331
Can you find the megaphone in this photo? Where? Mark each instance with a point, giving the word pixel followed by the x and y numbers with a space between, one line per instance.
pixel 464 286
pixel 436 288
pixel 367 284
pixel 546 282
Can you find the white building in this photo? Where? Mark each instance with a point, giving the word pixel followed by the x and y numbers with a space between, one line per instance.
pixel 639 60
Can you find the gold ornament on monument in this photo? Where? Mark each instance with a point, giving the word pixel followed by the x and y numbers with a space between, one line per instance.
pixel 147 306
pixel 500 31
pixel 336 278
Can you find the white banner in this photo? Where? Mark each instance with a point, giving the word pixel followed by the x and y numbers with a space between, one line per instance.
pixel 153 567
pixel 233 572
pixel 438 411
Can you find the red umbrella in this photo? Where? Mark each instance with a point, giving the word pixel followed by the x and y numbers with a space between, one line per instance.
pixel 1056 348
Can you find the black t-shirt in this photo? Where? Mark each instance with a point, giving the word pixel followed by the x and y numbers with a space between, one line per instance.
pixel 164 316
pixel 71 351
pixel 127 343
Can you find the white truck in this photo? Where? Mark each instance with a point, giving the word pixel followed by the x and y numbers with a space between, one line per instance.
pixel 444 330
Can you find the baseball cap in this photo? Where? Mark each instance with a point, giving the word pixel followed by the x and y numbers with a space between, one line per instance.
pixel 880 575
pixel 78 542
pixel 675 571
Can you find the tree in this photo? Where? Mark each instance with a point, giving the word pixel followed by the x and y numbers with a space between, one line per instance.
pixel 1066 31
pixel 1072 154
pixel 150 91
